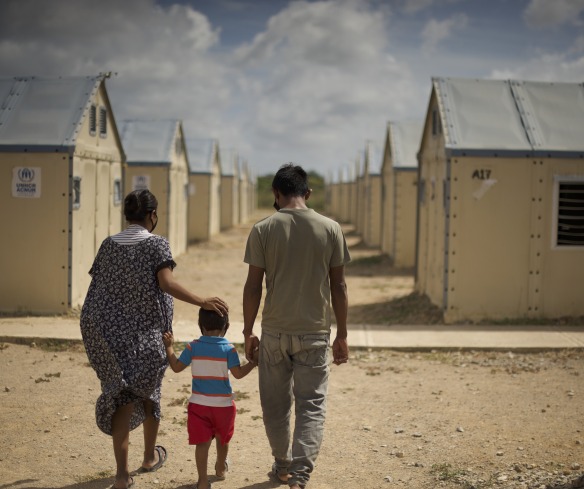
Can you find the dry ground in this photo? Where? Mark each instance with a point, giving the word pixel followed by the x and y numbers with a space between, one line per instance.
pixel 395 419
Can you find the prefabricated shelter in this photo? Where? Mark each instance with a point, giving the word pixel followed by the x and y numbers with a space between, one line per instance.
pixel 61 173
pixel 157 160
pixel 345 195
pixel 399 172
pixel 354 192
pixel 501 199
pixel 245 189
pixel 371 195
pixel 204 189
pixel 229 190
pixel 333 196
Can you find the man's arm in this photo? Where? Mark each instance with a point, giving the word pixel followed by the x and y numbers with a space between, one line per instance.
pixel 340 303
pixel 252 297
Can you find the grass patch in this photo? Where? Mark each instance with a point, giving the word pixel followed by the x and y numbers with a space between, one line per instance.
pixel 238 396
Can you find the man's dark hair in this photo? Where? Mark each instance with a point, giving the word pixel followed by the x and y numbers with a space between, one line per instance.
pixel 210 320
pixel 291 180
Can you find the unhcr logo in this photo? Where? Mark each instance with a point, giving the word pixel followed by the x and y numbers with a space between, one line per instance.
pixel 26 182
pixel 26 175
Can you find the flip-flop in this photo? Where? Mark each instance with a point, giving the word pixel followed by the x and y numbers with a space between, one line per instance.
pixel 222 477
pixel 274 477
pixel 128 486
pixel 162 456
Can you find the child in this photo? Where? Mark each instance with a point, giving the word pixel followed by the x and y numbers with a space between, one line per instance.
pixel 211 407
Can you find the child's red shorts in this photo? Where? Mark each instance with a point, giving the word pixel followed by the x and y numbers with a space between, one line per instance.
pixel 206 422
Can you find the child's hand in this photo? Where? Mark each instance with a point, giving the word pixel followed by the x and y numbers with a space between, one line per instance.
pixel 167 339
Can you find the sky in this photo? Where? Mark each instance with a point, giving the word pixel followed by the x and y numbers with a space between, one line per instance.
pixel 308 82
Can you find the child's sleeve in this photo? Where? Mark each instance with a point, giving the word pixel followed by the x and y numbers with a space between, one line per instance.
pixel 186 355
pixel 233 358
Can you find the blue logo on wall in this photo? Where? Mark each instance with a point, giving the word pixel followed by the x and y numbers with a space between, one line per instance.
pixel 26 175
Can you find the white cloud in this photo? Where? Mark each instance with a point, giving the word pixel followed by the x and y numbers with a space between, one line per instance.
pixel 553 13
pixel 161 55
pixel 549 67
pixel 327 82
pixel 413 6
pixel 436 31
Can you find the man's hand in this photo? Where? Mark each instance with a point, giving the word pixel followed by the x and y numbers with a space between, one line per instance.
pixel 252 345
pixel 340 351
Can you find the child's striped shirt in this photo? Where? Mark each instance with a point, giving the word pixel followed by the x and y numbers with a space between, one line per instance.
pixel 210 358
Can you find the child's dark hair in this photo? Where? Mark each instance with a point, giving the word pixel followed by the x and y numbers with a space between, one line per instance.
pixel 291 180
pixel 211 320
pixel 138 204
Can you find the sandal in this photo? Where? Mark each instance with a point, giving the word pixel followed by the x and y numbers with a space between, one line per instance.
pixel 222 477
pixel 275 476
pixel 162 456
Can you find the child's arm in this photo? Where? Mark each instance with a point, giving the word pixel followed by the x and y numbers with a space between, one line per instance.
pixel 175 365
pixel 241 371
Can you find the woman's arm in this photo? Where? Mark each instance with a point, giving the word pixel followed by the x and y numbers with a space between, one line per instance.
pixel 169 285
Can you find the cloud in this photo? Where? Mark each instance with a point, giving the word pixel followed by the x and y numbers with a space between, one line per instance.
pixel 327 82
pixel 548 67
pixel 546 13
pixel 436 31
pixel 162 55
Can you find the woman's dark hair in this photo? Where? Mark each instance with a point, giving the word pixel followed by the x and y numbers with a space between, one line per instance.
pixel 291 180
pixel 210 320
pixel 138 204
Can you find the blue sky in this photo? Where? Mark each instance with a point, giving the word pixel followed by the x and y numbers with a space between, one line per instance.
pixel 279 81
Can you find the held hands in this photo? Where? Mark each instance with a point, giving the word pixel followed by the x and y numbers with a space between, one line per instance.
pixel 215 304
pixel 167 339
pixel 252 348
pixel 340 351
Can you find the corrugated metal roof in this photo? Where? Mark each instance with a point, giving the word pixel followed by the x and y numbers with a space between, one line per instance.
pixel 149 141
pixel 44 112
pixel 510 117
pixel 201 154
pixel 404 140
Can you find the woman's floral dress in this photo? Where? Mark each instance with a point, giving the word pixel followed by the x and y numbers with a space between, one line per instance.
pixel 122 320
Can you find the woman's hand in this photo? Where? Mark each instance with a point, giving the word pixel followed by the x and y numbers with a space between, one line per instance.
pixel 216 304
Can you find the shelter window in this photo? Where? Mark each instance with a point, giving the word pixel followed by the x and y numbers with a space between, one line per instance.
pixel 76 192
pixel 102 122
pixel 92 120
pixel 117 191
pixel 570 213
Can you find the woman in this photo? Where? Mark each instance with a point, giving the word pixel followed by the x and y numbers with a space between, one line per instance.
pixel 128 307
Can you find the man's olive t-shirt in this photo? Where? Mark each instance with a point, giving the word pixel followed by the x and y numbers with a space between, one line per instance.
pixel 297 248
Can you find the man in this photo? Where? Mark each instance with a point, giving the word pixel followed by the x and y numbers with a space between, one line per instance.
pixel 302 255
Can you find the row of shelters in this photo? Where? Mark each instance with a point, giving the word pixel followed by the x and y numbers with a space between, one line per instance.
pixel 65 167
pixel 485 199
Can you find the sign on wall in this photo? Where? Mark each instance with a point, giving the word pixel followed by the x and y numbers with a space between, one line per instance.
pixel 140 182
pixel 26 182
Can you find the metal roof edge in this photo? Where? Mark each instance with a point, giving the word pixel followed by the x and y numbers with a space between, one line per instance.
pixel 148 163
pixel 97 81
pixel 447 116
pixel 512 153
pixel 26 148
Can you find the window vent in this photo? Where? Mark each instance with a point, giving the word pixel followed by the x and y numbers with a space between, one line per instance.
pixel 117 192
pixel 76 192
pixel 570 230
pixel 102 122
pixel 92 120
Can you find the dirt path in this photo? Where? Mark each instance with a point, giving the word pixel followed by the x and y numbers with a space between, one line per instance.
pixel 395 419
